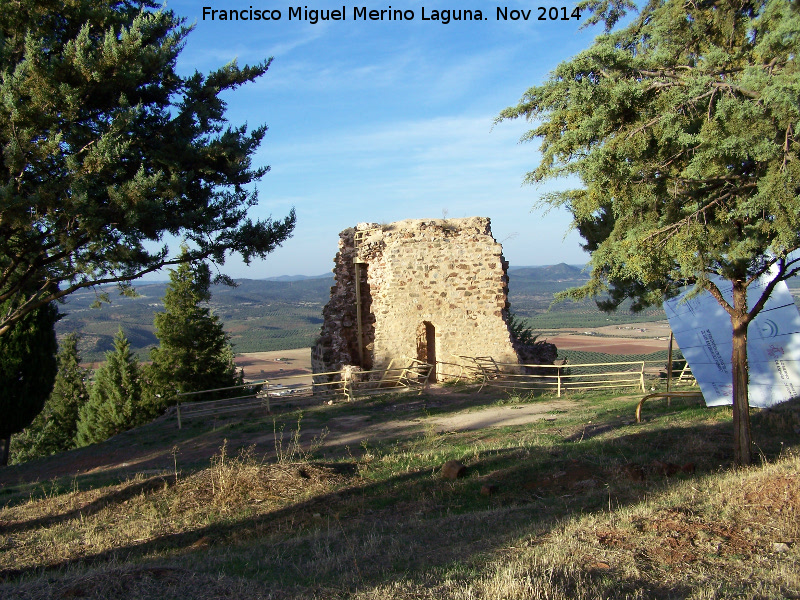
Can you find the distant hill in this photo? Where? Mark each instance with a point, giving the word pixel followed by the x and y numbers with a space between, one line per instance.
pixel 559 272
pixel 277 313
pixel 297 277
pixel 286 312
pixel 258 314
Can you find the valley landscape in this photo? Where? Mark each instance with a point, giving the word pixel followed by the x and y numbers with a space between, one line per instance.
pixel 298 498
pixel 270 315
pixel 264 317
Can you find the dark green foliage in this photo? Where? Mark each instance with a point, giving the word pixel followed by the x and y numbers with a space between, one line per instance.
pixel 27 370
pixel 54 429
pixel 520 331
pixel 193 353
pixel 106 148
pixel 608 12
pixel 114 398
pixel 682 129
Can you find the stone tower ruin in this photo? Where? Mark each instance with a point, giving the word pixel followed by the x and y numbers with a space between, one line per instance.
pixel 428 289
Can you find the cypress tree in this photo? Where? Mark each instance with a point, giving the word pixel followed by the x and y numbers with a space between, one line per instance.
pixel 53 430
pixel 194 352
pixel 27 371
pixel 107 148
pixel 680 131
pixel 114 397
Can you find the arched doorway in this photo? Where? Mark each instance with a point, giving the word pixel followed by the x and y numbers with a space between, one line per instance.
pixel 426 345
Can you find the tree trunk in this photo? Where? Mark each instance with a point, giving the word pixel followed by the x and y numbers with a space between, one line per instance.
pixel 6 444
pixel 741 405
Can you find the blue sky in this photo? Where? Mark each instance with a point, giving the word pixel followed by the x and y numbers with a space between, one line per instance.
pixel 387 120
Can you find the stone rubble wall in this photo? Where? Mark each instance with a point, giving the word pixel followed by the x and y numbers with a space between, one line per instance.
pixel 447 273
pixel 337 344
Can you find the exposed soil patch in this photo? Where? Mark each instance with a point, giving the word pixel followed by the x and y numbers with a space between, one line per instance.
pixel 271 365
pixel 684 537
pixel 609 345
pixel 774 495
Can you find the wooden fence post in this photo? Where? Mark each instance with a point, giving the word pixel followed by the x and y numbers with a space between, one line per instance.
pixel 641 377
pixel 558 374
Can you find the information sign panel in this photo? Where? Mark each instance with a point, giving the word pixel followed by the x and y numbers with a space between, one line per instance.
pixel 704 334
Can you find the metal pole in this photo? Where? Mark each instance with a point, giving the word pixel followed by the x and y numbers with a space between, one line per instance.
pixel 669 366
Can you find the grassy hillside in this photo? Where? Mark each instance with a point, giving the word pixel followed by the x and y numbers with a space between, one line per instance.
pixel 581 503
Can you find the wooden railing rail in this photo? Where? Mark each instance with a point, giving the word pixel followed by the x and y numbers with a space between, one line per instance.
pixel 414 374
pixel 562 378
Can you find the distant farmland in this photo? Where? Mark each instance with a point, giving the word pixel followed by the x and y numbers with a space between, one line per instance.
pixel 266 315
pixel 258 315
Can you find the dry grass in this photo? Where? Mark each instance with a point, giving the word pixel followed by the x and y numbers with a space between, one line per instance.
pixel 573 516
pixel 110 522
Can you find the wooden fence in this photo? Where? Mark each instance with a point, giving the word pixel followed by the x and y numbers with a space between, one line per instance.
pixel 571 377
pixel 414 375
pixel 345 384
pixel 562 378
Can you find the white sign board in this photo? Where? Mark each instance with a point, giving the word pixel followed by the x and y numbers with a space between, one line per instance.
pixel 704 334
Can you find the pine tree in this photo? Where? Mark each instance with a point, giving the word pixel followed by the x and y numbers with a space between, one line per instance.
pixel 114 397
pixel 27 371
pixel 680 129
pixel 53 430
pixel 106 148
pixel 69 394
pixel 194 352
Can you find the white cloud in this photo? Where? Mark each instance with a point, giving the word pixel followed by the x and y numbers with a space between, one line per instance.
pixel 411 169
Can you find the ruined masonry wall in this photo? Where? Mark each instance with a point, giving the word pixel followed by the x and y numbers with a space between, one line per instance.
pixel 453 277
pixel 449 273
pixel 337 344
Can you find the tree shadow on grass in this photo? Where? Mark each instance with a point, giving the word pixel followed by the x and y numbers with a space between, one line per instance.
pixel 372 533
pixel 150 447
pixel 118 496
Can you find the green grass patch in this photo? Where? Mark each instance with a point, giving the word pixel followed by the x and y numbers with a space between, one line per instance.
pixel 581 503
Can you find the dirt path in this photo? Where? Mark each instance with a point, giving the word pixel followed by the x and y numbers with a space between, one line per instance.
pixel 501 416
pixel 159 445
pixel 353 430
